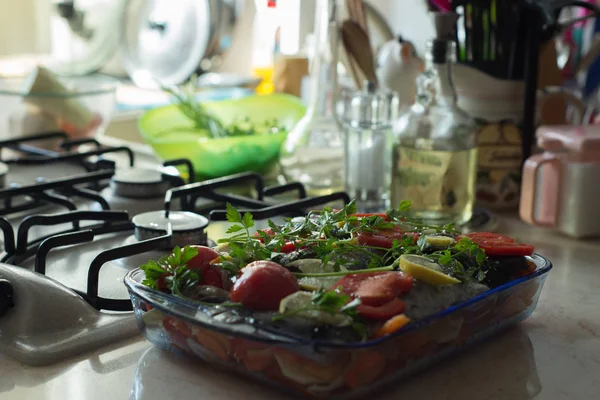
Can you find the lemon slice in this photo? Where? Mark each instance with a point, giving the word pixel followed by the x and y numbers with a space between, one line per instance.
pixel 425 270
pixel 295 301
pixel 438 242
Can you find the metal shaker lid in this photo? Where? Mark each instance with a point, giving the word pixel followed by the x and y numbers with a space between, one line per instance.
pixel 370 107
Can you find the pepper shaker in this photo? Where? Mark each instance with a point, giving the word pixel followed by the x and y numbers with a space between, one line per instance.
pixel 367 121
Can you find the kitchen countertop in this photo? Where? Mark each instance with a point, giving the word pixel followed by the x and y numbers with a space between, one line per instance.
pixel 555 354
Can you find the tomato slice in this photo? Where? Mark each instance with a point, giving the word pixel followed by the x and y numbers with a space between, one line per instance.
pixel 375 288
pixel 499 245
pixel 489 236
pixel 363 215
pixel 381 289
pixel 384 237
pixel 382 312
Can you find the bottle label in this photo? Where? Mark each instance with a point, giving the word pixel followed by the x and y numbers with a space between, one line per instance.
pixel 435 180
pixel 499 165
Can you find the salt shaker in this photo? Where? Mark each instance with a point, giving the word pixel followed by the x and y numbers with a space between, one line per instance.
pixel 367 120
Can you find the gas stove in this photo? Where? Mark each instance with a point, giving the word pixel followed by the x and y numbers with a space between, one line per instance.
pixel 76 216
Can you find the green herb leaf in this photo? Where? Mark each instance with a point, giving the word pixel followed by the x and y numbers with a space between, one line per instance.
pixel 247 220
pixel 233 215
pixel 173 269
pixel 404 205
pixel 234 228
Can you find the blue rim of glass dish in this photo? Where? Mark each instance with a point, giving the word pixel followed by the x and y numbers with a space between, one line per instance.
pixel 139 290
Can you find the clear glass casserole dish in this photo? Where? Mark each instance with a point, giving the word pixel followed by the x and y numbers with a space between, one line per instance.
pixel 329 369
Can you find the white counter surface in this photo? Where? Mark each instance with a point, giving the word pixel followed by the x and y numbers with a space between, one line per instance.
pixel 553 355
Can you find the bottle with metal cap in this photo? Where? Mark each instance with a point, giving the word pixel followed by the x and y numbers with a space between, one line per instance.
pixel 367 123
pixel 435 155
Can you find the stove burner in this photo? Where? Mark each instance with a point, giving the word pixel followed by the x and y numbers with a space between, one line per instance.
pixel 139 183
pixel 185 227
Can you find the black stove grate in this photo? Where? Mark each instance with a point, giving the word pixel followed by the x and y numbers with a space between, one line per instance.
pixel 61 191
pixel 261 209
pixel 53 192
pixel 32 155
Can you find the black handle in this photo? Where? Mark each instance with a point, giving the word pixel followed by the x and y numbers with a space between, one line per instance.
pixel 6 296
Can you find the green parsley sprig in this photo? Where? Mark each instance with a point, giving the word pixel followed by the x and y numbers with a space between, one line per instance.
pixel 173 269
pixel 243 248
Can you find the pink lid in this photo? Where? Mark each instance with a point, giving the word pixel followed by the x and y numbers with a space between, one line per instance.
pixel 581 139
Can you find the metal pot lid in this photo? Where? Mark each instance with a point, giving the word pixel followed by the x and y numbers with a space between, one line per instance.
pixel 163 43
pixel 139 182
pixel 181 221
pixel 92 31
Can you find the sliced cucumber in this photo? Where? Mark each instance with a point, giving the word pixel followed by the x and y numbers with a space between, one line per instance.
pixel 299 300
pixel 425 270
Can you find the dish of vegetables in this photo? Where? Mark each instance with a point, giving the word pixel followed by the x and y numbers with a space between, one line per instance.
pixel 335 304
pixel 337 275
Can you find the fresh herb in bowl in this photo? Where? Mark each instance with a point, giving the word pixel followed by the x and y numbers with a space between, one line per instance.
pixel 186 100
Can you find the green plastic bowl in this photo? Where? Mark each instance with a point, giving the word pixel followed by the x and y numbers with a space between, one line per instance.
pixel 172 135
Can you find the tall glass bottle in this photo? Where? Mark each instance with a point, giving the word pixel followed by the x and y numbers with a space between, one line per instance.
pixel 435 154
pixel 314 149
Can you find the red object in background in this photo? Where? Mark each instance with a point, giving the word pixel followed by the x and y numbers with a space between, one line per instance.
pixel 271 3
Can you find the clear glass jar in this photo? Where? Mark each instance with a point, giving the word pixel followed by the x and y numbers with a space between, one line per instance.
pixel 314 149
pixel 435 150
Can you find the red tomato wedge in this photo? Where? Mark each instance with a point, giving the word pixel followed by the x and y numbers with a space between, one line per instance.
pixel 384 237
pixel 375 288
pixel 382 312
pixel 499 245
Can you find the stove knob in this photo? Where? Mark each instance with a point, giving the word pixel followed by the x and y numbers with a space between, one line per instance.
pixel 6 296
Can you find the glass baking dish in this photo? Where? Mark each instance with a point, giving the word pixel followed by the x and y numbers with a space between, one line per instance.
pixel 329 369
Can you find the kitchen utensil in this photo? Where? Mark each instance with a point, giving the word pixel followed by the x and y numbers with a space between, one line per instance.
pixel 356 12
pixel 560 187
pixel 166 44
pixel 355 72
pixel 172 135
pixel 323 369
pixel 357 42
pixel 81 106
